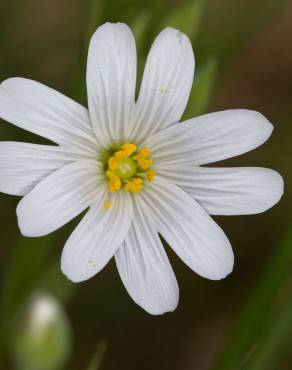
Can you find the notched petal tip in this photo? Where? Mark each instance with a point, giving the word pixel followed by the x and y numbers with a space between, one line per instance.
pixel 183 41
pixel 173 32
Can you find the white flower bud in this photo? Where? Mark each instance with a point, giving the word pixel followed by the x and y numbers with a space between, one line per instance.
pixel 43 338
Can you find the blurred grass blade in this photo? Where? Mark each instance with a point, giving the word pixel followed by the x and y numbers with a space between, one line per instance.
pixel 139 28
pixel 95 11
pixel 255 316
pixel 186 17
pixel 94 18
pixel 98 356
pixel 202 90
pixel 25 268
pixel 275 340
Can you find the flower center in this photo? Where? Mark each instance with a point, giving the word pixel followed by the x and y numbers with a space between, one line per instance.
pixel 128 168
pixel 125 168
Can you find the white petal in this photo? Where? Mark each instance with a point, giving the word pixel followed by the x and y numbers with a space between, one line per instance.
pixel 59 198
pixel 98 236
pixel 228 191
pixel 166 83
pixel 45 112
pixel 189 230
pixel 210 138
pixel 23 165
pixel 111 81
pixel 144 266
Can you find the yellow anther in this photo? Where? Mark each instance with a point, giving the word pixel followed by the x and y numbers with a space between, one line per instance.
pixel 129 148
pixel 107 204
pixel 150 175
pixel 112 163
pixel 114 181
pixel 128 168
pixel 145 163
pixel 135 185
pixel 121 154
pixel 143 154
pixel 143 160
pixel 127 151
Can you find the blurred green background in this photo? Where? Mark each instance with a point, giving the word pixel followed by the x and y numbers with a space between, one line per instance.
pixel 243 60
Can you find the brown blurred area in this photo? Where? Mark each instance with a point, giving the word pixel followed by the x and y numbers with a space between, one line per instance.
pixel 42 40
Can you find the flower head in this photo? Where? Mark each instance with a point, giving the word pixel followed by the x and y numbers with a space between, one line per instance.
pixel 127 168
pixel 134 166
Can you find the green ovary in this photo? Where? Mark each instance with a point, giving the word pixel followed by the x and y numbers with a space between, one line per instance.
pixel 125 168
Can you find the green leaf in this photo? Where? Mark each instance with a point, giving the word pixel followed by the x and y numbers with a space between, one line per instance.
pixel 202 90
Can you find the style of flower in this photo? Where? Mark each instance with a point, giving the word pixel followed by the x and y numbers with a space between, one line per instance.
pixel 134 167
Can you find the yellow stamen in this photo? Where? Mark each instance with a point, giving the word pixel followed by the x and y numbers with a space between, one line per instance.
pixel 107 204
pixel 145 163
pixel 129 148
pixel 127 151
pixel 144 153
pixel 135 185
pixel 128 168
pixel 143 160
pixel 150 175
pixel 112 163
pixel 114 181
pixel 121 154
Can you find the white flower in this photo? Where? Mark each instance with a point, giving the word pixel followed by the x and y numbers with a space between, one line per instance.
pixel 106 160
